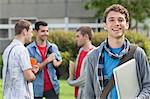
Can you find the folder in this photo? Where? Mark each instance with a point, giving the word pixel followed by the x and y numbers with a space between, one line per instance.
pixel 126 80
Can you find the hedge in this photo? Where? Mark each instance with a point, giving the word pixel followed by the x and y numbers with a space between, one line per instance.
pixel 69 50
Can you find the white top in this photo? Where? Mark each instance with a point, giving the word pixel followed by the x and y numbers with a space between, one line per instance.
pixel 14 84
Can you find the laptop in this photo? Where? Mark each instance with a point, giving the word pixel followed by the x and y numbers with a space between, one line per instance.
pixel 126 80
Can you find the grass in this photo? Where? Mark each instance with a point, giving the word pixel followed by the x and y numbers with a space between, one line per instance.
pixel 66 91
pixel 1 89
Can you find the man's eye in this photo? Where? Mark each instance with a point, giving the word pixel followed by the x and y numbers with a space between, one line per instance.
pixel 120 20
pixel 44 31
pixel 111 20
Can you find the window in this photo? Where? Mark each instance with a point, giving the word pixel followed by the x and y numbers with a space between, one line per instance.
pixel 3 21
pixel 3 33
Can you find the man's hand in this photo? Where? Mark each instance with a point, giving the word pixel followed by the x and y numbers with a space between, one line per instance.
pixel 57 63
pixel 35 69
pixel 50 58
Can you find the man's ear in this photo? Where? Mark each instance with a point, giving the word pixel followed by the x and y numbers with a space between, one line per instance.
pixel 105 27
pixel 24 31
pixel 127 25
pixel 86 35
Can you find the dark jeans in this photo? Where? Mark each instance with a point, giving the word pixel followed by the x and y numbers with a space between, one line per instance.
pixel 49 95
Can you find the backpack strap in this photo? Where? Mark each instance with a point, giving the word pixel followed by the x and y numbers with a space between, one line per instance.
pixel 7 64
pixel 111 82
pixel 56 68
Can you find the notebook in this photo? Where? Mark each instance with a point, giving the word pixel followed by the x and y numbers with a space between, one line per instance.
pixel 126 80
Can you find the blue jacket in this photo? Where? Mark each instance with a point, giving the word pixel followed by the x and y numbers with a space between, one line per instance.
pixel 38 84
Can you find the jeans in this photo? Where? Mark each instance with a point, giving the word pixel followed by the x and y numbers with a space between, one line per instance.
pixel 49 95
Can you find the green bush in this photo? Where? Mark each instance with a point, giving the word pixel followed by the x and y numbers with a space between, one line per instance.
pixel 136 38
pixel 69 50
pixel 142 40
pixel 1 61
pixel 66 44
pixel 63 69
pixel 98 38
pixel 65 41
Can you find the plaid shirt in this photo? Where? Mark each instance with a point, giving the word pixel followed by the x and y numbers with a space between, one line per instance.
pixel 15 85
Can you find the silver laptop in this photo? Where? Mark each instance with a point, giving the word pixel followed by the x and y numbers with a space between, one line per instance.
pixel 126 81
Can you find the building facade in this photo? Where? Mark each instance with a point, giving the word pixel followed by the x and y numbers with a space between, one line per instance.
pixel 52 11
pixel 58 13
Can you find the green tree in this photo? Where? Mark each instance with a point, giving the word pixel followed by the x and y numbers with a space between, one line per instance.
pixel 138 9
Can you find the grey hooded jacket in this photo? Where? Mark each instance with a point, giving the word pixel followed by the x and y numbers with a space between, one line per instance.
pixel 79 82
pixel 92 87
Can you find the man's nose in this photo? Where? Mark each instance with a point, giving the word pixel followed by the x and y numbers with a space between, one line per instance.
pixel 46 32
pixel 116 22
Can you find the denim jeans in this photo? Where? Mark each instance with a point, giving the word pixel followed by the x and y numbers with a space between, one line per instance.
pixel 49 95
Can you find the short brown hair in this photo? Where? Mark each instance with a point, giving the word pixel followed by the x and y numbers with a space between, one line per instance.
pixel 20 25
pixel 116 8
pixel 40 23
pixel 86 30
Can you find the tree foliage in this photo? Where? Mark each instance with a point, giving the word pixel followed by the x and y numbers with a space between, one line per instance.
pixel 138 9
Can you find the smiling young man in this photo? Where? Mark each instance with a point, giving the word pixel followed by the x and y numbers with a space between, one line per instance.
pixel 46 83
pixel 101 61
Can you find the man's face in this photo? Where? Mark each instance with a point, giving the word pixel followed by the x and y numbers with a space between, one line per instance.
pixel 42 33
pixel 29 35
pixel 80 39
pixel 116 24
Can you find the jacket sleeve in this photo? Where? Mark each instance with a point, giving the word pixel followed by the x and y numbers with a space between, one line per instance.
pixel 57 52
pixel 77 82
pixel 89 85
pixel 144 74
pixel 81 80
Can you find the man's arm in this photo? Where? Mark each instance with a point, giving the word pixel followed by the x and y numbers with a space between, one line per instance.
pixel 143 75
pixel 89 92
pixel 54 57
pixel 79 81
pixel 24 61
pixel 29 75
pixel 49 59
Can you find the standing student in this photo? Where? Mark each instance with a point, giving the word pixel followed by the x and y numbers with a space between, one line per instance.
pixel 17 70
pixel 102 61
pixel 46 83
pixel 83 39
